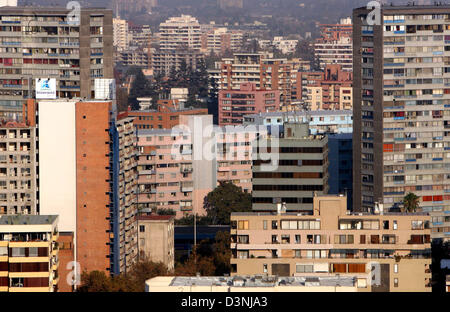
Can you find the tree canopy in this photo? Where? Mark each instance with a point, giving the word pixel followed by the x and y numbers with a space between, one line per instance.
pixel 225 199
pixel 208 259
pixel 410 202
pixel 140 87
pixel 133 281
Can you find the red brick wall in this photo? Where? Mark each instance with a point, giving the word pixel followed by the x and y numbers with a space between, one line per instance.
pixel 92 136
pixel 65 255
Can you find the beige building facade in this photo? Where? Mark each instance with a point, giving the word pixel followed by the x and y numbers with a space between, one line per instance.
pixel 156 239
pixel 29 253
pixel 392 248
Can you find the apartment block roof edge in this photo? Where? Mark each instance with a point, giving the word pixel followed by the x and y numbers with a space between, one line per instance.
pixel 411 5
pixel 156 218
pixel 27 219
pixel 55 10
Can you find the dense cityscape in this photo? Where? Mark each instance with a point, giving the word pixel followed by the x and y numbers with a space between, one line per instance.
pixel 224 146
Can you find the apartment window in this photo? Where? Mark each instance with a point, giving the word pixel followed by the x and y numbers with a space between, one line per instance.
pixel 395 282
pixel 243 225
pixel 18 252
pixel 242 239
pixel 395 225
pixel 395 268
pixel 274 225
pixel 274 239
pixel 265 224
pixel 343 239
pixel 417 225
pixel 297 239
pixel 386 225
pixel 33 252
pixel 298 253
pixel 242 254
pixel 142 228
pixel 265 268
pixel 362 239
pixel 285 239
pixel 304 268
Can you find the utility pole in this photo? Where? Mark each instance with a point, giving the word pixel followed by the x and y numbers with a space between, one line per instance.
pixel 195 239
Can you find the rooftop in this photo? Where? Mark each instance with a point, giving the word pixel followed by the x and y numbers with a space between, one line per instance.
pixel 156 217
pixel 27 220
pixel 171 110
pixel 443 6
pixel 349 213
pixel 46 10
pixel 263 281
pixel 303 113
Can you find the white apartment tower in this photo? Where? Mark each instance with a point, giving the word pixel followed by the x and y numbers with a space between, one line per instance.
pixel 177 32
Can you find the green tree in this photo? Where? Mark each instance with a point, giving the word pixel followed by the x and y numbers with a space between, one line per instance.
pixel 213 100
pixel 410 202
pixel 122 99
pixel 132 281
pixel 142 271
pixel 222 253
pixel 165 212
pixel 225 199
pixel 95 281
pixel 189 220
pixel 196 264
pixel 139 88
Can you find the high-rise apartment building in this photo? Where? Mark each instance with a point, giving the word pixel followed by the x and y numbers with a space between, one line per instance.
pixel 180 32
pixel 141 36
pixel 170 177
pixel 135 57
pixel 173 174
pixel 335 44
pixel 122 37
pixel 234 104
pixel 90 184
pixel 385 252
pixel 259 68
pixel 29 254
pixel 47 43
pixel 18 169
pixel 221 40
pixel 401 110
pixel 300 171
pixel 329 89
pixel 163 61
pixel 125 189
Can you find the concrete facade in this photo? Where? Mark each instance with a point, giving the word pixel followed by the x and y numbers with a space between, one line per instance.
pixel 18 169
pixel 43 43
pixel 29 253
pixel 401 101
pixel 330 89
pixel 320 121
pixel 299 171
pixel 335 44
pixel 332 241
pixel 234 104
pixel 156 239
pixel 265 72
pixel 171 176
